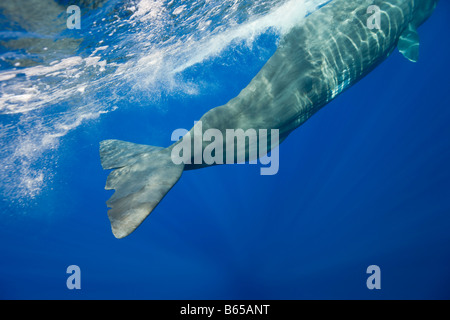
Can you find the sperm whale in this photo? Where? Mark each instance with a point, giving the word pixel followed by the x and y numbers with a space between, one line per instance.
pixel 331 50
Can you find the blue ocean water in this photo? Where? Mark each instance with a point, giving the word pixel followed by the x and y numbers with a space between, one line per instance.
pixel 365 181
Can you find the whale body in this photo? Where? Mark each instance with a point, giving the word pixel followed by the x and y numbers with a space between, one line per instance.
pixel 331 50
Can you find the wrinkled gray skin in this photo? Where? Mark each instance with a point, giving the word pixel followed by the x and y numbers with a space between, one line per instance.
pixel 315 62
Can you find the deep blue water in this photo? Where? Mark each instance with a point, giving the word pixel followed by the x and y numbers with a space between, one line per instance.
pixel 365 181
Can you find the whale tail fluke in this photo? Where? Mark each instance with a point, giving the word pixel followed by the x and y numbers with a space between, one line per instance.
pixel 142 177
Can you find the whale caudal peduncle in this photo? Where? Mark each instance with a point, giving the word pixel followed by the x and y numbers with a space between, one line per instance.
pixel 330 51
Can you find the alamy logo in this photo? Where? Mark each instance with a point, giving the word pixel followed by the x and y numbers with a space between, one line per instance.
pixel 374 21
pixel 74 20
pixel 374 281
pixel 74 280
pixel 212 147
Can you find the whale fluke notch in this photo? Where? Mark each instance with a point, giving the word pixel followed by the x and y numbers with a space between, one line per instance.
pixel 142 177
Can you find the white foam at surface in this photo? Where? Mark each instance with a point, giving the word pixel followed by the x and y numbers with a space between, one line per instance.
pixel 153 62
